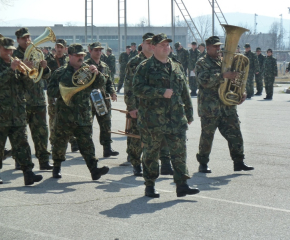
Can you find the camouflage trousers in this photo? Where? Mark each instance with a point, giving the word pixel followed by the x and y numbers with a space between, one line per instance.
pixel 83 134
pixel 52 116
pixel 269 85
pixel 192 85
pixel 229 127
pixel 151 150
pixel 36 119
pixel 259 82
pixel 134 148
pixel 121 80
pixel 19 143
pixel 250 85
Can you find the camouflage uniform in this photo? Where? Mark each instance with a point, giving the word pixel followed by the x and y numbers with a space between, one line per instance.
pixel 123 60
pixel 134 148
pixel 193 55
pixel 133 54
pixel 182 56
pixel 172 55
pixel 288 68
pixel 160 117
pixel 201 55
pixel 270 72
pixel 214 114
pixel 254 67
pixel 111 62
pixel 75 119
pixel 259 76
pixel 104 58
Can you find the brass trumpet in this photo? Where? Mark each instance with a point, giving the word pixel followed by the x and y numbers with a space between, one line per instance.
pixel 31 73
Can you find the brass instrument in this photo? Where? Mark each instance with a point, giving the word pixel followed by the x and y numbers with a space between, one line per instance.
pixel 31 73
pixel 82 79
pixel 231 91
pixel 32 53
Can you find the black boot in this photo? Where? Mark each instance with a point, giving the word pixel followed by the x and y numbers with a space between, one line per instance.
pixel 183 190
pixel 56 172
pixel 108 151
pixel 1 182
pixel 98 172
pixel 204 168
pixel 258 94
pixel 30 178
pixel 7 153
pixel 45 166
pixel 239 166
pixel 151 192
pixel 137 171
pixel 166 169
pixel 17 166
pixel 74 147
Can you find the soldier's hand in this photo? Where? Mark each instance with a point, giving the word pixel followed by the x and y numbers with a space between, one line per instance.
pixel 43 64
pixel 168 93
pixel 189 123
pixel 28 64
pixel 133 113
pixel 243 98
pixel 257 72
pixel 114 97
pixel 15 63
pixel 93 69
pixel 230 75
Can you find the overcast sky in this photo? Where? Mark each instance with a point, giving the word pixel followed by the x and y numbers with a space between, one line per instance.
pixel 106 11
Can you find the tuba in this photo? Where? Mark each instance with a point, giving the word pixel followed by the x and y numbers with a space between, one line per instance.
pixel 35 55
pixel 231 91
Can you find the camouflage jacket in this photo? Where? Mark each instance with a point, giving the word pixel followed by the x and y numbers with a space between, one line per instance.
pixel 130 99
pixel 12 96
pixel 270 66
pixel 254 63
pixel 182 56
pixel 133 54
pixel 79 112
pixel 201 55
pixel 87 56
pixel 104 58
pixel 261 59
pixel 209 78
pixel 156 113
pixel 35 96
pixel 123 60
pixel 193 56
pixel 111 62
pixel 172 55
pixel 288 68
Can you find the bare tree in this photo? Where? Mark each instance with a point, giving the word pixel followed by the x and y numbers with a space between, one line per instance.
pixel 142 22
pixel 274 30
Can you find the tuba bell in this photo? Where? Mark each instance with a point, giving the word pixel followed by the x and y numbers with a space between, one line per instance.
pixel 231 91
pixel 34 54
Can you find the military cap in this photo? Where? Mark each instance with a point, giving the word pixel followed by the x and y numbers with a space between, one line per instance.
pixel 269 50
pixel 76 48
pixel 193 43
pixel 202 44
pixel 96 45
pixel 128 47
pixel 22 32
pixel 133 44
pixel 139 47
pixel 7 43
pixel 247 45
pixel 147 36
pixel 159 38
pixel 258 49
pixel 213 40
pixel 177 44
pixel 109 50
pixel 238 46
pixel 61 42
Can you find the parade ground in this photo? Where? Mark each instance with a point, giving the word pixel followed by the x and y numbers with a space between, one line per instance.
pixel 230 205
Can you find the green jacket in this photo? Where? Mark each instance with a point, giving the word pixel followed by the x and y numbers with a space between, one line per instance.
pixel 111 62
pixel 13 86
pixel 123 60
pixel 209 78
pixel 201 55
pixel 270 66
pixel 156 113
pixel 193 56
pixel 133 54
pixel 130 99
pixel 172 55
pixel 261 60
pixel 104 58
pixel 288 68
pixel 182 56
pixel 79 111
pixel 254 63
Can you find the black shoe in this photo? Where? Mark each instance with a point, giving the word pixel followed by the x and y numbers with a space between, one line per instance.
pixel 98 172
pixel 166 169
pixel 268 98
pixel 204 168
pixel 45 166
pixel 193 94
pixel 151 192
pixel 30 178
pixel 108 151
pixel 56 172
pixel 258 94
pixel 183 190
pixel 17 166
pixel 7 153
pixel 137 171
pixel 239 166
pixel 1 182
pixel 74 147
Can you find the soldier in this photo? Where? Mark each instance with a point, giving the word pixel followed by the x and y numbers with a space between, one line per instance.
pixel 254 68
pixel 111 62
pixel 13 85
pixel 288 68
pixel 45 51
pixel 123 60
pixel 35 104
pixel 238 50
pixel 172 54
pixel 133 52
pixel 88 55
pixel 134 148
pixel 54 62
pixel 182 56
pixel 213 112
pixel 107 91
pixel 201 48
pixel 75 119
pixel 193 55
pixel 104 57
pixel 259 76
pixel 270 72
pixel 139 48
pixel 165 110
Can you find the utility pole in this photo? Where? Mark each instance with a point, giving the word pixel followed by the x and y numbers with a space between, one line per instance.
pixel 172 22
pixel 281 33
pixel 255 24
pixel 149 14
pixel 212 17
pixel 289 28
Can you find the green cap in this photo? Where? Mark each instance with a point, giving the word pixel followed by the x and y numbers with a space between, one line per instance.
pixel 269 50
pixel 159 38
pixel 202 44
pixel 247 45
pixel 76 48
pixel 7 43
pixel 213 40
pixel 96 45
pixel 258 49
pixel 133 44
pixel 193 43
pixel 147 36
pixel 61 42
pixel 109 50
pixel 140 48
pixel 128 47
pixel 22 32
pixel 177 44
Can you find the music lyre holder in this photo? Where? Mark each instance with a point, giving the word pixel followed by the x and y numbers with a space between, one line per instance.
pixel 127 126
